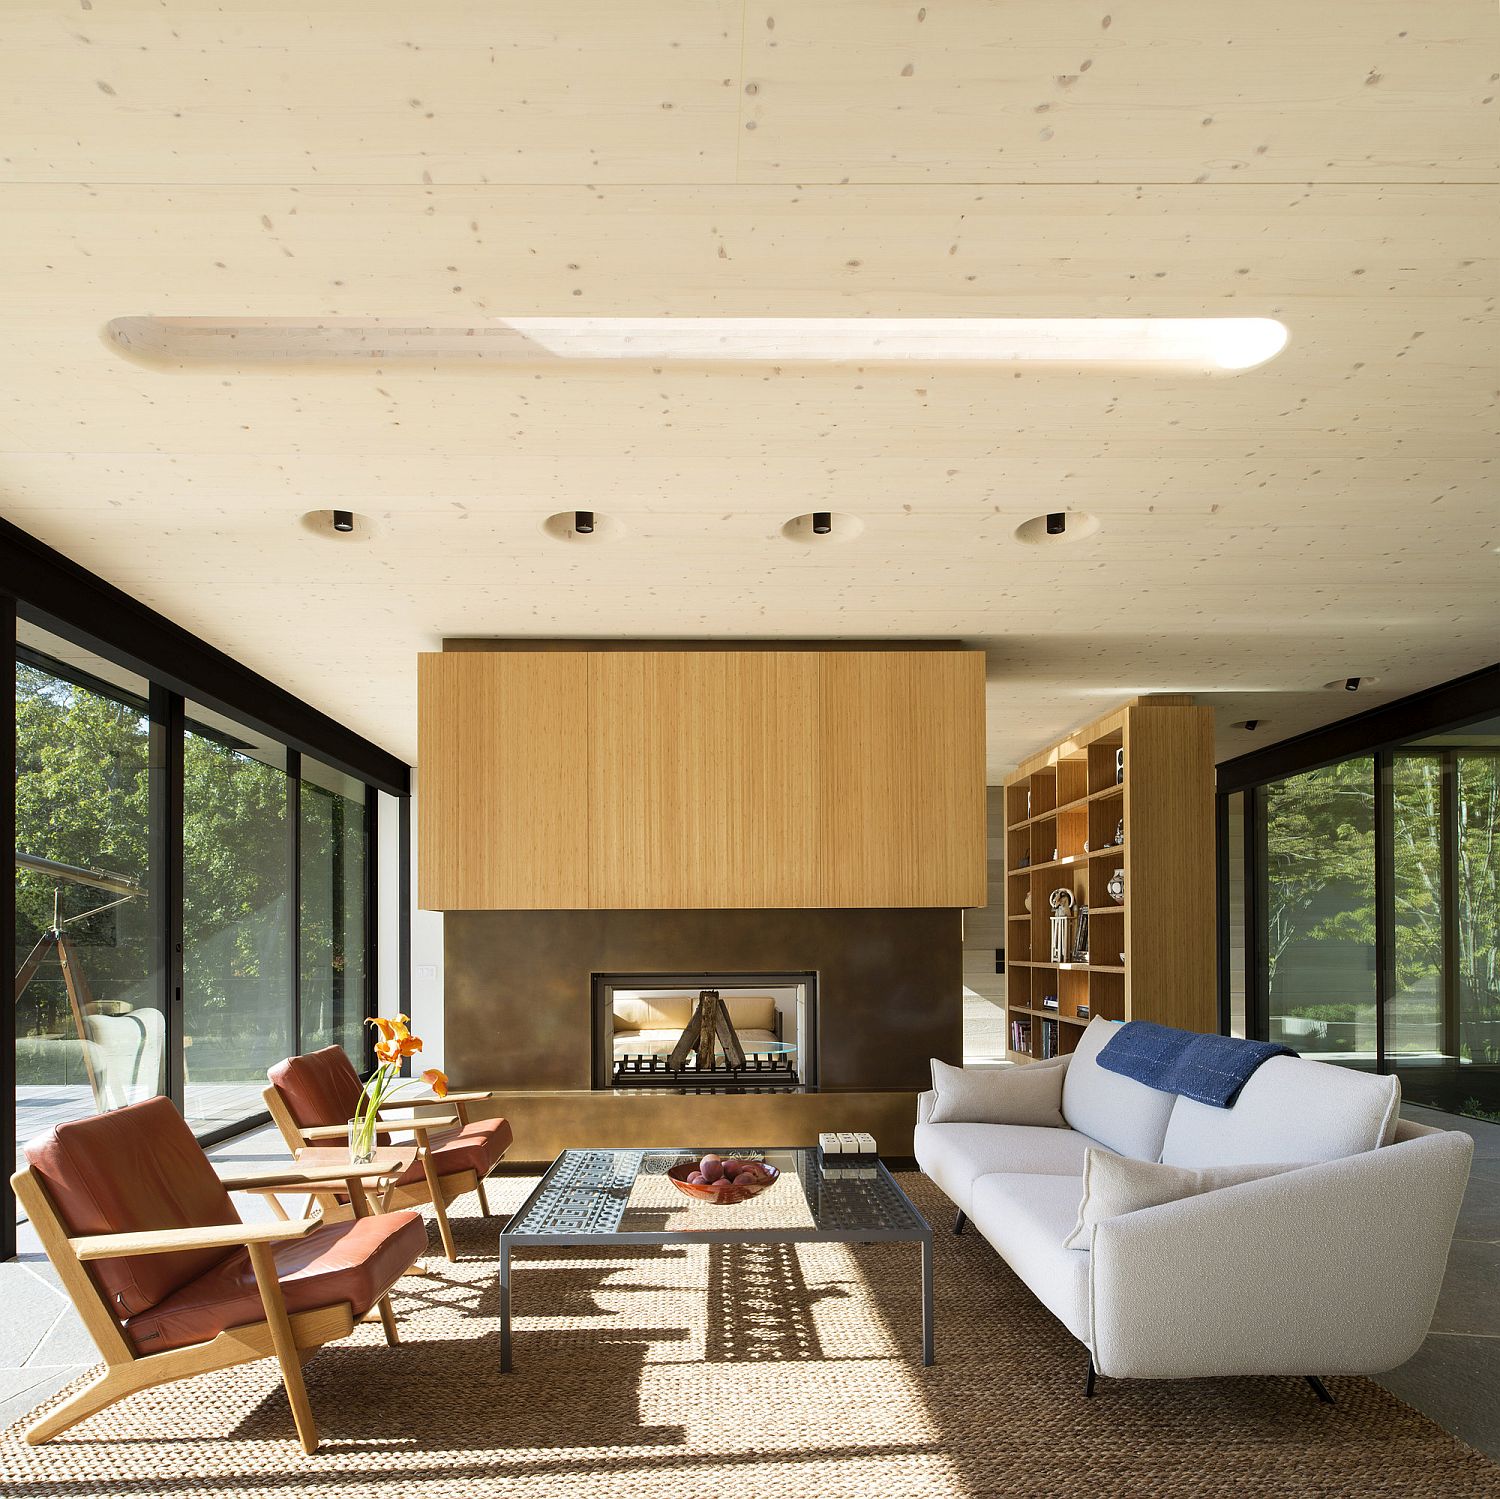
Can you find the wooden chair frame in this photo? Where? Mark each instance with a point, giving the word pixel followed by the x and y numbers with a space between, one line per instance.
pixel 291 1338
pixel 437 1188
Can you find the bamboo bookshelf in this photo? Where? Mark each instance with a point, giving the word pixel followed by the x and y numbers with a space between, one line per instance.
pixel 1151 956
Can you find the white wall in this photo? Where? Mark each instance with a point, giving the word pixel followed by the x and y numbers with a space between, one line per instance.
pixel 426 958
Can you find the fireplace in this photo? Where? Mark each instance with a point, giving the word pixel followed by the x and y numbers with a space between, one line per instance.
pixel 705 1032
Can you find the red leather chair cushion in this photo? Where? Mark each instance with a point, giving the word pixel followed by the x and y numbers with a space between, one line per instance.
pixel 133 1169
pixel 357 1262
pixel 321 1087
pixel 473 1147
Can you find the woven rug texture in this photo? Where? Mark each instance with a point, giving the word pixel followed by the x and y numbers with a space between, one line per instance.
pixel 772 1373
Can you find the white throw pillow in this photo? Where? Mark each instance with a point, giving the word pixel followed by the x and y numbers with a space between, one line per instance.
pixel 1115 1184
pixel 1030 1093
pixel 1116 1111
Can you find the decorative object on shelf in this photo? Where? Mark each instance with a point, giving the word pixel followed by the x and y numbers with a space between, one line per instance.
pixel 1085 845
pixel 1116 887
pixel 1120 831
pixel 1026 901
pixel 722 1182
pixel 396 1043
pixel 1122 960
pixel 1049 1001
pixel 1054 856
pixel 1061 901
pixel 1120 766
pixel 1081 935
pixel 1024 862
pixel 1083 1012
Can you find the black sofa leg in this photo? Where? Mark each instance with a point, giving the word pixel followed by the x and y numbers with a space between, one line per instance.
pixel 960 1221
pixel 1319 1389
pixel 1088 1389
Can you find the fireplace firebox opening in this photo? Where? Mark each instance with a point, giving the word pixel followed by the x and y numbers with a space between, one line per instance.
pixel 648 1031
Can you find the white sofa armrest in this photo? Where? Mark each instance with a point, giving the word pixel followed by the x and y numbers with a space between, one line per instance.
pixel 926 1102
pixel 1329 1269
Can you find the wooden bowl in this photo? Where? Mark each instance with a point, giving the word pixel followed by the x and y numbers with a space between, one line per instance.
pixel 720 1193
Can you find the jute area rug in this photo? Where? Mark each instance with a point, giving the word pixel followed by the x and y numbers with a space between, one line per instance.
pixel 703 1371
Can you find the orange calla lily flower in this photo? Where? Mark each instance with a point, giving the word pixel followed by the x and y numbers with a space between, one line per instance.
pixel 437 1081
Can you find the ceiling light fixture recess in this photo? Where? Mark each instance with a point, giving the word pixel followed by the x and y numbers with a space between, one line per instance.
pixel 338 525
pixel 1205 344
pixel 1057 528
pixel 819 527
pixel 582 527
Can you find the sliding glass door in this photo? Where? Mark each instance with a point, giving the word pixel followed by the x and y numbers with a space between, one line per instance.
pixel 1374 915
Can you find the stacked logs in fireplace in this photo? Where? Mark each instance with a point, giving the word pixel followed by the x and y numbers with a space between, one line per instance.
pixel 708 1054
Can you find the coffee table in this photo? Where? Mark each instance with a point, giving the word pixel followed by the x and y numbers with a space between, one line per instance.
pixel 614 1197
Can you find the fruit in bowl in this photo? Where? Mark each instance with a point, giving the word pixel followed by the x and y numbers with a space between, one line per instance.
pixel 722 1179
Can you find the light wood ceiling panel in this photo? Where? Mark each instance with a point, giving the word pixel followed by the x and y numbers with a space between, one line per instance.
pixel 1332 513
pixel 1118 91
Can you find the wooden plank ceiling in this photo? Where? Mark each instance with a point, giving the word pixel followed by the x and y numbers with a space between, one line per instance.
pixel 1335 166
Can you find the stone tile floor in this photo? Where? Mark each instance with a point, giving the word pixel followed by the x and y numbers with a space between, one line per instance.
pixel 1454 1379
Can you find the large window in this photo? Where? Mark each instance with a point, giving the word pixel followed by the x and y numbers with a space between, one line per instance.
pixel 239 1003
pixel 1319 937
pixel 335 851
pixel 90 1033
pixel 1373 908
pixel 144 820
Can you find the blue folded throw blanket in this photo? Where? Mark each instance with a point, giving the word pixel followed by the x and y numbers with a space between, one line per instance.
pixel 1209 1069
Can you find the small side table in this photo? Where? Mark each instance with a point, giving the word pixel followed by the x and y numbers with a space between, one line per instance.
pixel 392 1159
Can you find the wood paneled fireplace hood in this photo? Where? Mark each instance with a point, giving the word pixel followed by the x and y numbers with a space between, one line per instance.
pixel 698 779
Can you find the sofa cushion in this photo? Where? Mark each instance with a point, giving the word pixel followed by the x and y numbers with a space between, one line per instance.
pixel 1116 1184
pixel 356 1262
pixel 1117 1111
pixel 1290 1110
pixel 1026 1217
pixel 998 1095
pixel 956 1155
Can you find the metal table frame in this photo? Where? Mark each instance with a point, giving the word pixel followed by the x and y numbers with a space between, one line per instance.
pixel 919 1232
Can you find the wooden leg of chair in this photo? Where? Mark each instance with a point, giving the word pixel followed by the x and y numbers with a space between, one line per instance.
pixel 388 1321
pixel 484 1202
pixel 288 1355
pixel 439 1208
pixel 112 1385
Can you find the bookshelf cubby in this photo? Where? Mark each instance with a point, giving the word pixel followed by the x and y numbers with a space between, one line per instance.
pixel 1151 956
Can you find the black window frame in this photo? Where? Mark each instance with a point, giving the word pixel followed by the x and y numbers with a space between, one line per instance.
pixel 41 587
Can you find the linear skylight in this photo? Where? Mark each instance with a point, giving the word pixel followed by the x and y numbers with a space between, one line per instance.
pixel 1226 343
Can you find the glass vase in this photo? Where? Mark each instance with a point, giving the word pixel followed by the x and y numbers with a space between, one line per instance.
pixel 362 1141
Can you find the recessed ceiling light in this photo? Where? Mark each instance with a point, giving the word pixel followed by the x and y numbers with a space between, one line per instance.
pixel 1057 527
pixel 1350 684
pixel 818 527
pixel 1206 344
pixel 583 527
pixel 338 525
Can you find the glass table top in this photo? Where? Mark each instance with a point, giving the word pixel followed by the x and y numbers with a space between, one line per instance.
pixel 626 1196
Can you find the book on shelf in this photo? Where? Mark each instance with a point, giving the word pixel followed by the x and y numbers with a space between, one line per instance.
pixel 1050 1039
pixel 1049 1002
pixel 1020 1034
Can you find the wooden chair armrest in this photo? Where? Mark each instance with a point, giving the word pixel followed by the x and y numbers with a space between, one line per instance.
pixel 423 1121
pixel 170 1240
pixel 289 1178
pixel 478 1095
pixel 315 1134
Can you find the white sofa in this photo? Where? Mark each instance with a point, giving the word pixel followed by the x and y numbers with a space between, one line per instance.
pixel 1331 1268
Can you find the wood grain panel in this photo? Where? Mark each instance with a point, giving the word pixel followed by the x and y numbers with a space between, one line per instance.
pixel 701 779
pixel 503 782
pixel 1169 867
pixel 901 786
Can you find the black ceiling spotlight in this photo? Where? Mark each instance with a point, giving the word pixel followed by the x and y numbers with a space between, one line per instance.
pixel 1351 684
pixel 822 522
pixel 1251 724
pixel 583 522
pixel 1057 523
pixel 343 520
